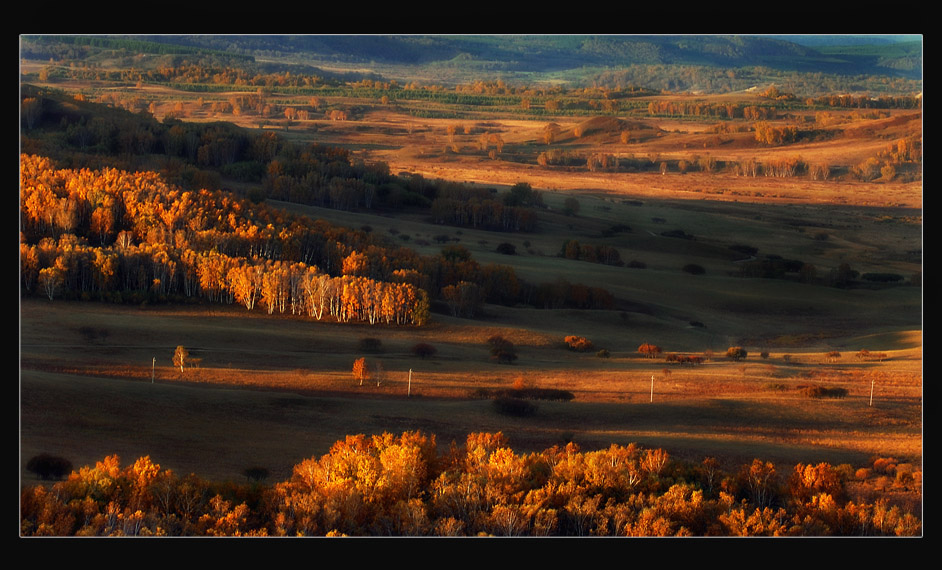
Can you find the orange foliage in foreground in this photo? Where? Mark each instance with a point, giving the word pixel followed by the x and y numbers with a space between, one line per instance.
pixel 403 485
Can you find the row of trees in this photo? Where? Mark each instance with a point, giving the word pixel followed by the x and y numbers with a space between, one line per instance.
pixel 119 236
pixel 407 486
pixel 729 110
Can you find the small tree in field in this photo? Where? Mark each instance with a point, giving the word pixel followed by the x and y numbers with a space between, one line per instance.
pixel 736 353
pixel 649 350
pixel 180 356
pixel 502 350
pixel 361 370
pixel 579 343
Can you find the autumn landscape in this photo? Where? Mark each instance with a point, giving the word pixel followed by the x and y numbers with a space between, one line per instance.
pixel 470 286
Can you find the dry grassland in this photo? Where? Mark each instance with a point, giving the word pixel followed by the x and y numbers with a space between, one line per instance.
pixel 273 390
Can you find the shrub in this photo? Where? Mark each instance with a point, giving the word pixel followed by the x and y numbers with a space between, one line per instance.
pixel 514 407
pixel 736 353
pixel 502 350
pixel 579 343
pixel 603 353
pixel 424 350
pixel 507 248
pixel 694 269
pixel 47 466
pixel 862 474
pixel 649 350
pixel 884 465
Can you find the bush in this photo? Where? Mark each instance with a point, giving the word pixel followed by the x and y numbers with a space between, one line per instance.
pixel 514 407
pixel 502 350
pixel 424 350
pixel 603 353
pixel 507 248
pixel 736 353
pixel 47 466
pixel 694 269
pixel 649 350
pixel 579 343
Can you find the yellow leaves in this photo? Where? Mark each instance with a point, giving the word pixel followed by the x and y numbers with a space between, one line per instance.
pixel 143 472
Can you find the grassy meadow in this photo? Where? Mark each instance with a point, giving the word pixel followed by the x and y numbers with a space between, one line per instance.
pixel 273 390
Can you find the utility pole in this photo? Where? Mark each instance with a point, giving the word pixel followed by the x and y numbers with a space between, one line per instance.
pixel 409 394
pixel 652 388
pixel 871 392
pixel 152 366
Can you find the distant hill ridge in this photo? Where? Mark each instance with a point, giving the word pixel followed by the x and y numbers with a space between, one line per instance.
pixel 540 53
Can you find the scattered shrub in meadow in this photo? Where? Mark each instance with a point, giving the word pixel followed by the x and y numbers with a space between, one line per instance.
pixel 579 343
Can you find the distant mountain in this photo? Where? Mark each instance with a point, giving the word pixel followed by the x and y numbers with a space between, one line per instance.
pixel 543 53
pixel 706 63
pixel 821 40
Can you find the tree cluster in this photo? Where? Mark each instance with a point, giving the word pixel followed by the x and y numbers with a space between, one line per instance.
pixel 730 110
pixel 387 485
pixel 593 253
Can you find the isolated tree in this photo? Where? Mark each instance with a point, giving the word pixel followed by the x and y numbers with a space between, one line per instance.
pixel 361 370
pixel 579 343
pixel 736 353
pixel 180 356
pixel 649 350
pixel 507 248
pixel 502 350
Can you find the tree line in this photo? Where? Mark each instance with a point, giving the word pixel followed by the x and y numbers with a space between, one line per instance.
pixel 122 236
pixel 406 485
pixel 198 156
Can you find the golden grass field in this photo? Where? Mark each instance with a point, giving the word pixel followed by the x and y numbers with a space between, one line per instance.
pixel 274 390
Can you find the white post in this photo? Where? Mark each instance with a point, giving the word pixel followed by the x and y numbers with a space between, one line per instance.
pixel 410 383
pixel 871 392
pixel 152 366
pixel 652 388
